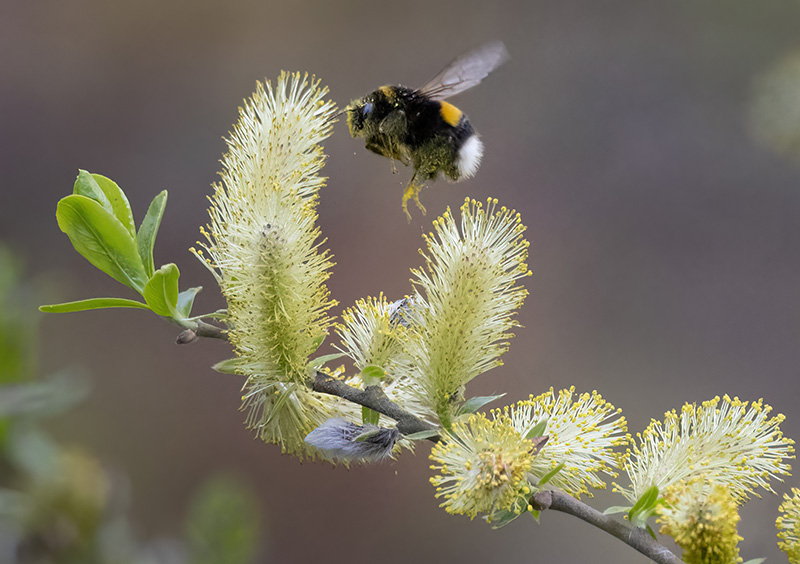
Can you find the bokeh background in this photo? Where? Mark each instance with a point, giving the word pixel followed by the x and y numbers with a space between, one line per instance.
pixel 651 148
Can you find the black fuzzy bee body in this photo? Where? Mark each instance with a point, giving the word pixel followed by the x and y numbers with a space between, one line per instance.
pixel 405 125
pixel 418 127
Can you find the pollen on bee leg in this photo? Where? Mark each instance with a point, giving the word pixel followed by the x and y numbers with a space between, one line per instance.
pixel 412 193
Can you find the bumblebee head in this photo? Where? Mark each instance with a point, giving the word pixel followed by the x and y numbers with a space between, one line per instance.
pixel 358 114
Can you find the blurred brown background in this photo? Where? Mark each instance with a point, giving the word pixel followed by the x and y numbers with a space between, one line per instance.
pixel 664 235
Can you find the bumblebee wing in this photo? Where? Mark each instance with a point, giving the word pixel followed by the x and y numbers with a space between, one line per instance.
pixel 466 71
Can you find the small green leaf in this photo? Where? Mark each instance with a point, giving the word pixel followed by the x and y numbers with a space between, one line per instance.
pixel 502 518
pixel 229 366
pixel 421 435
pixel 474 404
pixel 186 301
pixel 372 374
pixel 549 476
pixel 161 291
pixel 644 507
pixel 86 185
pixel 320 361
pixel 646 500
pixel 108 194
pixel 316 342
pixel 652 532
pixel 101 239
pixel 120 206
pixel 92 303
pixel 146 239
pixel 614 509
pixel 538 429
pixel 369 416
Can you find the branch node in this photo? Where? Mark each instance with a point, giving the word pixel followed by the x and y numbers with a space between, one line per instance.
pixel 186 337
pixel 541 501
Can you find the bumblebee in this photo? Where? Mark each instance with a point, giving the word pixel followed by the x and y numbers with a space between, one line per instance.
pixel 418 127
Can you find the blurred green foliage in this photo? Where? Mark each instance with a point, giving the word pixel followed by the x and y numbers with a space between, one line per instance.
pixel 58 504
pixel 222 524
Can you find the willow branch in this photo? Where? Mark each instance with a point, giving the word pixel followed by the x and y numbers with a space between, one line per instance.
pixel 202 329
pixel 634 537
pixel 211 331
pixel 373 398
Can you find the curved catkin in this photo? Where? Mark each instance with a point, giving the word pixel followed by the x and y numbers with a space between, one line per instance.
pixel 263 245
pixel 466 295
pixel 725 441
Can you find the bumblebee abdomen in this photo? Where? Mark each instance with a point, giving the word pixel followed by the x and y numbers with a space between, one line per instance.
pixel 453 146
pixel 469 157
pixel 450 114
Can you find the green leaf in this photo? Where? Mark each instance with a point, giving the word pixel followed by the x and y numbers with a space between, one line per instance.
pixel 755 561
pixel 644 507
pixel 652 532
pixel 316 342
pixel 92 303
pixel 614 509
pixel 110 196
pixel 372 374
pixel 161 291
pixel 474 404
pixel 320 361
pixel 646 500
pixel 369 416
pixel 502 518
pixel 186 301
pixel 148 230
pixel 101 239
pixel 421 435
pixel 86 185
pixel 549 476
pixel 223 524
pixel 229 366
pixel 120 206
pixel 538 429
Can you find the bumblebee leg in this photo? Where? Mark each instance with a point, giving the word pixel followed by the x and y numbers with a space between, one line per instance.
pixel 412 193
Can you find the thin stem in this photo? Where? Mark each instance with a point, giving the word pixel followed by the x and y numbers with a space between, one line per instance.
pixel 373 398
pixel 211 331
pixel 202 329
pixel 634 537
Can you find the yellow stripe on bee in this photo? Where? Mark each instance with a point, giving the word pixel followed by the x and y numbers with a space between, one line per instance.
pixel 450 113
pixel 387 91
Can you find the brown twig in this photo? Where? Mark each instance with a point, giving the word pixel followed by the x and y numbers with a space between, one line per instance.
pixel 203 329
pixel 373 398
pixel 211 331
pixel 634 537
